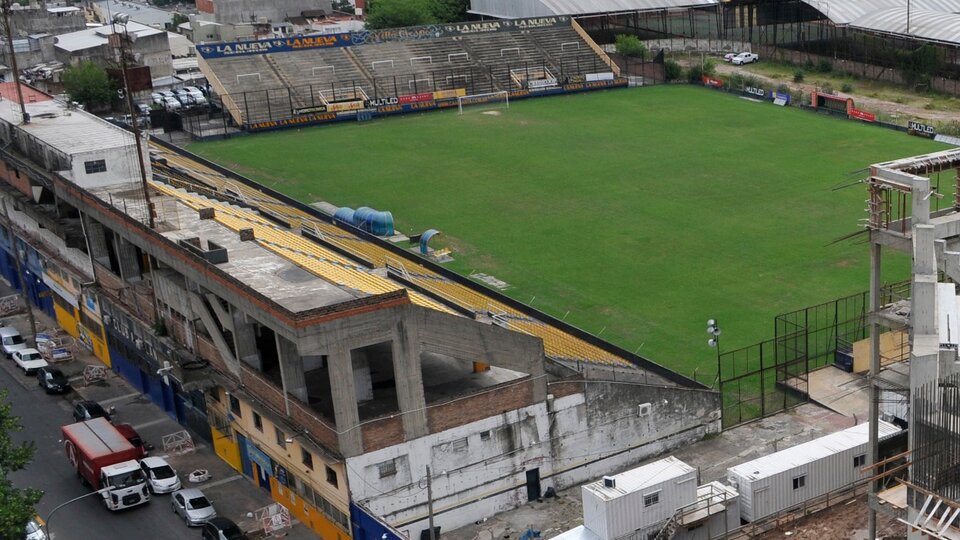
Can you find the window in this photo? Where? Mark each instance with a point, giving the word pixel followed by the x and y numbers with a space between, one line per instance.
pixel 281 437
pixel 215 393
pixel 235 406
pixel 96 166
pixel 485 435
pixel 860 461
pixel 387 468
pixel 258 422
pixel 799 482
pixel 459 445
pixel 332 477
pixel 651 499
pixel 306 458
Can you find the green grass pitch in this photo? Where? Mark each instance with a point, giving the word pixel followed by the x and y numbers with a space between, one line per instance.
pixel 637 214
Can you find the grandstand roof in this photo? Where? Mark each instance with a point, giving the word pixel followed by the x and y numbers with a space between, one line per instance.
pixel 515 9
pixel 934 20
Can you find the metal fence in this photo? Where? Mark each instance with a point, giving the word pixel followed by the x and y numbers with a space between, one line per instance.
pixel 936 431
pixel 772 376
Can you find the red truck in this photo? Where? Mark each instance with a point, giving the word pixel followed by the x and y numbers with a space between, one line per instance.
pixel 106 460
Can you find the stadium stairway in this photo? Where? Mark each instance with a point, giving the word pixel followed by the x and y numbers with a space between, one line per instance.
pixel 294 94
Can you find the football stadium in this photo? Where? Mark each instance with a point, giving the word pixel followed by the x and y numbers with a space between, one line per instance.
pixel 634 214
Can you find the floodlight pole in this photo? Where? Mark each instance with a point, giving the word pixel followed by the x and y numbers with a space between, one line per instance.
pixel 123 19
pixel 13 61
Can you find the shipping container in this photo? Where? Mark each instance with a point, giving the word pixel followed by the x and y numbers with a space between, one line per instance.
pixel 639 498
pixel 785 479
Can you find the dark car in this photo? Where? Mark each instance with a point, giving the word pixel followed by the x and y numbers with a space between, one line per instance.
pixel 52 380
pixel 220 528
pixel 88 410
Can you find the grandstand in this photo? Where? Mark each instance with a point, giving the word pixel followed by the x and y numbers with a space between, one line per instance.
pixel 275 83
pixel 348 260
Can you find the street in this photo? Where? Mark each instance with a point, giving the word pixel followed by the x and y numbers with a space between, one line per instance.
pixel 42 415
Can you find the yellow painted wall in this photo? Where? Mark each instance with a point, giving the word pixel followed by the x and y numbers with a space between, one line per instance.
pixel 226 448
pixel 67 320
pixel 305 513
pixel 894 347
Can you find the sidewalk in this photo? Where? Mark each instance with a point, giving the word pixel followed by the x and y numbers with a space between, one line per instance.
pixel 235 496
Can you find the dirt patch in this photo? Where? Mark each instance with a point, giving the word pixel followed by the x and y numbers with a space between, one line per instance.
pixel 844 521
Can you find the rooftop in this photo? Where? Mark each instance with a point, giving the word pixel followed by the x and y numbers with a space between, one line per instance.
pixel 99 36
pixel 70 131
pixel 807 452
pixel 140 13
pixel 633 480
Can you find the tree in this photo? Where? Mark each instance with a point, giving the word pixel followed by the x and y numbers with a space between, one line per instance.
pixel 451 10
pixel 396 13
pixel 16 505
pixel 88 83
pixel 628 45
pixel 177 20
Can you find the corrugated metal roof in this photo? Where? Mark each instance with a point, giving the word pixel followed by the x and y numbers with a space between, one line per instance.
pixel 849 11
pixel 931 25
pixel 807 452
pixel 641 477
pixel 516 9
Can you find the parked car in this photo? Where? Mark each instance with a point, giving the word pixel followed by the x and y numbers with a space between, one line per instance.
pixel 745 58
pixel 192 506
pixel 157 98
pixel 171 104
pixel 52 380
pixel 729 56
pixel 161 477
pixel 29 360
pixel 11 340
pixel 143 110
pixel 185 98
pixel 220 528
pixel 135 439
pixel 197 95
pixel 34 529
pixel 88 410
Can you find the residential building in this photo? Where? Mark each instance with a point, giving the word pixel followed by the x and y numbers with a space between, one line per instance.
pixel 149 47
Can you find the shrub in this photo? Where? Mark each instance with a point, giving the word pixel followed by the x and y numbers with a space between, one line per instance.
pixel 798 76
pixel 808 65
pixel 672 70
pixel 783 89
pixel 824 67
pixel 628 45
pixel 826 89
pixel 847 88
pixel 951 128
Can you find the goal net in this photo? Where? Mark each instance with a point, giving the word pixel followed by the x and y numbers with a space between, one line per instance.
pixel 488 101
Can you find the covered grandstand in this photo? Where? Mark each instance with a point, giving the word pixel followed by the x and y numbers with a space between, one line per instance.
pixel 279 82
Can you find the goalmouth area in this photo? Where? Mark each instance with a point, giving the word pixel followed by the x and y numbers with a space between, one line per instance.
pixel 634 214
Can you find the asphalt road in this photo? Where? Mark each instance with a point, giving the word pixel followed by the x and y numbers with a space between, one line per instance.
pixel 42 415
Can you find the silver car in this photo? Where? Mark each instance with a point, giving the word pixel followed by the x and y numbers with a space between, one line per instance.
pixel 192 506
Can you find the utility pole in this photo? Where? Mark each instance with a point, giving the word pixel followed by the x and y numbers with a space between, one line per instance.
pixel 13 60
pixel 122 19
pixel 433 534
pixel 16 259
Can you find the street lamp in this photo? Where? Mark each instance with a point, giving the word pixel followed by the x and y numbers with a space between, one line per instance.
pixel 101 492
pixel 713 328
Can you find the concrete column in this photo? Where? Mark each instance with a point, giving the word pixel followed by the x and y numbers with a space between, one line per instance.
pixel 97 241
pixel 245 340
pixel 291 369
pixel 409 379
pixel 344 396
pixel 128 259
pixel 362 381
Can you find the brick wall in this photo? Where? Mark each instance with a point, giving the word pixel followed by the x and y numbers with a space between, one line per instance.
pixel 205 6
pixel 16 179
pixel 565 388
pixel 382 433
pixel 492 401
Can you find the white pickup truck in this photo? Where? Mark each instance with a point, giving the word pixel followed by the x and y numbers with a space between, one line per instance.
pixel 745 58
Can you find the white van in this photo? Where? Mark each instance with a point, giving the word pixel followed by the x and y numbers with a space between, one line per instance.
pixel 11 340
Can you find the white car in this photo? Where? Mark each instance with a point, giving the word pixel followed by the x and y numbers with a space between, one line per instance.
pixel 29 360
pixel 11 340
pixel 745 58
pixel 729 56
pixel 171 104
pixel 192 506
pixel 161 478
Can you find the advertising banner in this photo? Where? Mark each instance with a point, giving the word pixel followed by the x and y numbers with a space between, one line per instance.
pixel 449 94
pixel 916 128
pixel 540 84
pixel 863 115
pixel 263 46
pixel 344 106
pixel 753 91
pixel 310 110
pixel 414 98
pixel 711 82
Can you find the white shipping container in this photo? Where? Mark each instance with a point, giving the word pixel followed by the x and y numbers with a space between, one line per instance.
pixel 786 479
pixel 639 498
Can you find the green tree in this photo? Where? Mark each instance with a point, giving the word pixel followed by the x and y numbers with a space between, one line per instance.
pixel 628 45
pixel 177 20
pixel 396 13
pixel 88 83
pixel 16 505
pixel 450 10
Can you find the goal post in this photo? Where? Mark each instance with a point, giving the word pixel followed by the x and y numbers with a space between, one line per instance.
pixel 500 99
